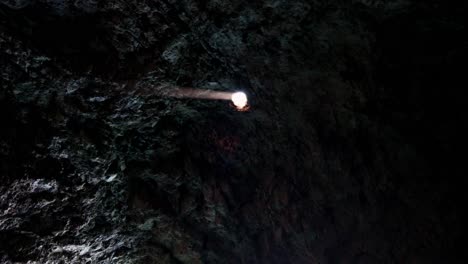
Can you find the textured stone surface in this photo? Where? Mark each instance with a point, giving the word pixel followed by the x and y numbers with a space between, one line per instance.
pixel 348 154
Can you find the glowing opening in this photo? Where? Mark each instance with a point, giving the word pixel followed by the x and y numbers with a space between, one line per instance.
pixel 239 99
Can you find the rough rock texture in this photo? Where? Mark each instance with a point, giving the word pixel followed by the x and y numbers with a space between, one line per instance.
pixel 349 153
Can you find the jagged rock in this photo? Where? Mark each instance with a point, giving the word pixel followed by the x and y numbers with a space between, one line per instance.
pixel 347 154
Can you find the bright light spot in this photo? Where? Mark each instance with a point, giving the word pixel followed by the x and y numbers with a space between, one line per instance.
pixel 239 99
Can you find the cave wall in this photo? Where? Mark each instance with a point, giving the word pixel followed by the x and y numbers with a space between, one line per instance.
pixel 348 153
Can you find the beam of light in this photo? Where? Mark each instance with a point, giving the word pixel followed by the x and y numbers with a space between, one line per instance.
pixel 180 92
pixel 239 99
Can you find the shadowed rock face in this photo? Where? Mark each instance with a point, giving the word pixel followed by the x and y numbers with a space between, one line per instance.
pixel 349 153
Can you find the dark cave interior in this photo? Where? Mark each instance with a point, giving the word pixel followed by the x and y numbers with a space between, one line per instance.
pixel 351 152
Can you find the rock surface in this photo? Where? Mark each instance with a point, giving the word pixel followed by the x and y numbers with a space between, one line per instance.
pixel 347 155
